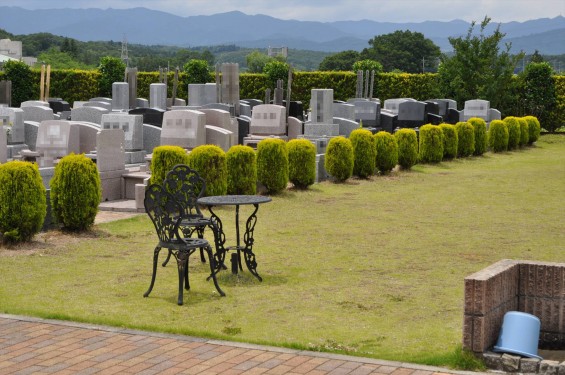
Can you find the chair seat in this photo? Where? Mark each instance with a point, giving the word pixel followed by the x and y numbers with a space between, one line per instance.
pixel 195 222
pixel 185 244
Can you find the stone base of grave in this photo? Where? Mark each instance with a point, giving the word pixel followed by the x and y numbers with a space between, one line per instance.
pixel 14 150
pixel 253 140
pixel 320 130
pixel 135 157
pixel 112 185
pixel 321 173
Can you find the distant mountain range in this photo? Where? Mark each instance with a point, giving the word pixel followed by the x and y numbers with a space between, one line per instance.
pixel 150 27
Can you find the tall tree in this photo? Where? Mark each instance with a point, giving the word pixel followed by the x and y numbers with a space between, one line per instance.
pixel 401 50
pixel 341 61
pixel 479 69
pixel 539 92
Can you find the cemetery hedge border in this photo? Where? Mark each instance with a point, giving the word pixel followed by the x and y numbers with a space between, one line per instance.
pixel 534 128
pixel 407 147
pixel 431 144
pixel 210 163
pixel 466 139
pixel 339 158
pixel 513 126
pixel 241 162
pixel 301 162
pixel 387 151
pixel 364 153
pixel 163 160
pixel 481 141
pixel 71 85
pixel 272 164
pixel 498 136
pixel 524 131
pixel 450 141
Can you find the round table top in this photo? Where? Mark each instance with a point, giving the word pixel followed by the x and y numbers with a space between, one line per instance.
pixel 233 200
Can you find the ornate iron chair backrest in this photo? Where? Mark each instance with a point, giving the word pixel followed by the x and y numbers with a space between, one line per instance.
pixel 186 186
pixel 165 212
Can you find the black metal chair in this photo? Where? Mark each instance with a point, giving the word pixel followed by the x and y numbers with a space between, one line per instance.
pixel 186 186
pixel 166 214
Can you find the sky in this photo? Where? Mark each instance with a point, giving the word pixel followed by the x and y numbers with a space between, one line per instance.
pixel 332 10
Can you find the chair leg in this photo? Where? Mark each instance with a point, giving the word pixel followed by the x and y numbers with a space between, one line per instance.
pixel 182 258
pixel 200 231
pixel 155 259
pixel 186 283
pixel 213 270
pixel 167 260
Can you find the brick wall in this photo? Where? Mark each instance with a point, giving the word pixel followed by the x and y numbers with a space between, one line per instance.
pixel 533 287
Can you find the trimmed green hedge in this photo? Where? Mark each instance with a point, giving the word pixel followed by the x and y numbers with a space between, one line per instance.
pixel 534 128
pixel 210 163
pixel 524 131
pixel 163 160
pixel 364 153
pixel 498 136
pixel 272 164
pixel 431 144
pixel 339 158
pixel 450 141
pixel 513 126
pixel 241 162
pixel 407 147
pixel 481 140
pixel 387 151
pixel 301 162
pixel 466 139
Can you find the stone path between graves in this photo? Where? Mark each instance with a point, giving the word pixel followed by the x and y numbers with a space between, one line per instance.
pixel 39 346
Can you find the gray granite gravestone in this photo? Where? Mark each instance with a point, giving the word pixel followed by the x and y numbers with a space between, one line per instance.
pixel 12 121
pixel 230 85
pixel 132 126
pixel 202 93
pixel 158 96
pixel 344 110
pixel 110 162
pixel 476 108
pixel 6 93
pixel 220 137
pixel 37 113
pixel 184 128
pixel 120 96
pixel 268 119
pixel 222 119
pixel 89 114
pixel 34 103
pixel 346 126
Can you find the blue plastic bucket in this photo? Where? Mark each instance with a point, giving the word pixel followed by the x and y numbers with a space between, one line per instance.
pixel 519 334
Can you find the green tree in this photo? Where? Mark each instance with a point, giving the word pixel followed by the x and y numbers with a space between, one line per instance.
pixel 112 69
pixel 402 50
pixel 341 61
pixel 276 70
pixel 369 65
pixel 478 69
pixel 539 92
pixel 256 61
pixel 21 76
pixel 197 71
pixel 536 57
pixel 60 60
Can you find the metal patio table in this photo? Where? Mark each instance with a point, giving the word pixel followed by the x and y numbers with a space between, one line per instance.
pixel 247 247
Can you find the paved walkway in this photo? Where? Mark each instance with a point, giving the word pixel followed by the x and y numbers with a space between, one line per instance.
pixel 38 346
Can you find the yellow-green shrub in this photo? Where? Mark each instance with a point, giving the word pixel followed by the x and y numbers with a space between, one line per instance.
pixel 241 163
pixel 466 139
pixel 364 152
pixel 524 131
pixel 498 136
pixel 75 192
pixel 481 141
pixel 339 158
pixel 301 162
pixel 407 147
pixel 513 126
pixel 431 144
pixel 272 164
pixel 387 151
pixel 450 141
pixel 210 163
pixel 163 160
pixel 534 128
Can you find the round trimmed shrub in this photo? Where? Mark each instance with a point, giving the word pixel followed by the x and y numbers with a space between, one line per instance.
pixel 534 128
pixel 301 162
pixel 210 163
pixel 387 151
pixel 524 131
pixel 513 126
pixel 364 153
pixel 22 201
pixel 339 158
pixel 481 140
pixel 498 136
pixel 241 163
pixel 163 160
pixel 431 144
pixel 450 141
pixel 407 147
pixel 466 139
pixel 75 192
pixel 272 164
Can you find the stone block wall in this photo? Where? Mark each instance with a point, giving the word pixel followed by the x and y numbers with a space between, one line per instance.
pixel 533 287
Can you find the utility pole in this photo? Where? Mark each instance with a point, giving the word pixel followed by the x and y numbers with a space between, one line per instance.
pixel 124 55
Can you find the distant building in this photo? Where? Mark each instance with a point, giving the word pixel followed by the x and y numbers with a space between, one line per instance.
pixel 278 51
pixel 12 50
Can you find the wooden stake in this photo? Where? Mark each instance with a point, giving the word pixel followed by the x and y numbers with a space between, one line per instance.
pixel 42 83
pixel 47 82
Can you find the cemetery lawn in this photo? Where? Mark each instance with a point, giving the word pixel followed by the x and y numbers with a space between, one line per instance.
pixel 371 268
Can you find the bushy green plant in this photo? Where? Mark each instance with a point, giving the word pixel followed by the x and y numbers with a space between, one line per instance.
pixel 450 141
pixel 431 144
pixel 513 126
pixel 301 162
pixel 210 163
pixel 524 131
pixel 276 70
pixel 534 128
pixel 241 162
pixel 22 84
pixel 75 192
pixel 387 151
pixel 197 71
pixel 368 64
pixel 163 160
pixel 339 158
pixel 112 69
pixel 407 147
pixel 498 136
pixel 481 141
pixel 364 153
pixel 272 164
pixel 22 201
pixel 466 139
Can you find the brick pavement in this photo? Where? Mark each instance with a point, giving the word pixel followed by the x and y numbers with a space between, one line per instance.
pixel 38 346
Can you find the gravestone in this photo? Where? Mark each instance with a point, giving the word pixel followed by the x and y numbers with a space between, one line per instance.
pixel 151 116
pixel 295 109
pixel 444 105
pixel 252 102
pixel 31 129
pixel 100 104
pixel 393 104
pixel 37 113
pixel 494 114
pixel 102 99
pixel 87 135
pixel 78 103
pixel 220 137
pixel 295 127
pixel 346 126
pixel 34 103
pixel 321 116
pixel 344 110
pixel 12 121
pixel 268 119
pixel 131 79
pixel 244 109
pixel 230 85
pixel 6 93
pixel 243 124
pixel 158 96
pixel 89 114
pixel 59 105
pixel 369 112
pixel 411 114
pixel 132 126
pixel 141 103
pixel 453 116
pixel 120 96
pixel 55 139
pixel 389 121
pixel 202 93
pixel 476 108
pixel 222 119
pixel 3 147
pixel 184 128
pixel 222 106
pixel 110 162
pixel 432 108
pixel 151 137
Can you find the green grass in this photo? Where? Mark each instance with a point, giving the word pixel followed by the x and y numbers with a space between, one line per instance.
pixel 370 267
